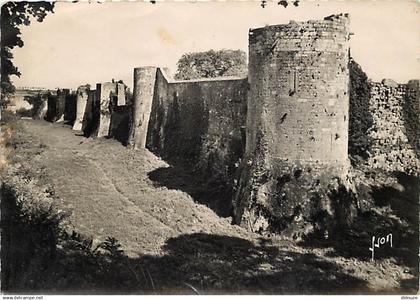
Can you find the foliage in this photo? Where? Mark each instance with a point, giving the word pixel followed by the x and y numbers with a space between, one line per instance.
pixel 212 64
pixel 360 119
pixel 25 112
pixel 7 117
pixel 37 102
pixel 39 253
pixel 283 3
pixel 29 228
pixel 14 15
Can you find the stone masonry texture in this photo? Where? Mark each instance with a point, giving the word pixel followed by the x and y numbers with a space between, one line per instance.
pixel 297 123
pixel 82 103
pixel 200 123
pixel 104 91
pixel 144 85
pixel 61 104
pixel 395 109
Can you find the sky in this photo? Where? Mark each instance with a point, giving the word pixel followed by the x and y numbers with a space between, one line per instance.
pixel 95 42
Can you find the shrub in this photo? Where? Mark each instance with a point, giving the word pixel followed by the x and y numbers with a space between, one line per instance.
pixel 360 118
pixel 25 112
pixel 39 254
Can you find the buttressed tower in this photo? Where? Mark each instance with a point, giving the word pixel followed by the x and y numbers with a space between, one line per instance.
pixel 297 123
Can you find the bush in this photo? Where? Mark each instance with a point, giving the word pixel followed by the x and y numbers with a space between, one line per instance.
pixel 7 117
pixel 30 226
pixel 38 252
pixel 212 63
pixel 360 118
pixel 25 112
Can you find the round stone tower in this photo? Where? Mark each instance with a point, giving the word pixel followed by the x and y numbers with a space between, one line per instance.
pixel 297 119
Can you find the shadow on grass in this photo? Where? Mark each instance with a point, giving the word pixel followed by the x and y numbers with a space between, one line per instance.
pixel 212 193
pixel 38 256
pixel 120 124
pixel 396 213
pixel 215 264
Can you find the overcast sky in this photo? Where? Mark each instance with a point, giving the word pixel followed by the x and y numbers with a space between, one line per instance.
pixel 90 42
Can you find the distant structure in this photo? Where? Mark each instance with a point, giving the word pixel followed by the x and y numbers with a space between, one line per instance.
pixel 17 100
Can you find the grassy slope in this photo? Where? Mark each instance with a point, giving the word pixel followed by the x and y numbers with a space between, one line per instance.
pixel 172 244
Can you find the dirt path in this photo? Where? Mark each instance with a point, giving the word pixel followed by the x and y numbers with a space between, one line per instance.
pixel 107 187
pixel 182 243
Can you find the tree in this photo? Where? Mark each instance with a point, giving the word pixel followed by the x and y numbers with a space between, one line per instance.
pixel 14 15
pixel 212 64
pixel 360 118
pixel 37 102
pixel 283 3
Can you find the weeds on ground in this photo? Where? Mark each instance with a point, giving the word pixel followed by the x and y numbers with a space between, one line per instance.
pixel 40 251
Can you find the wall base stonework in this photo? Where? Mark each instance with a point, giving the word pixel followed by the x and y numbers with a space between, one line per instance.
pixel 295 199
pixel 104 91
pixel 70 107
pixel 100 107
pixel 82 105
pixel 61 104
pixel 144 85
pixel 56 106
pixel 43 109
pixel 120 123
